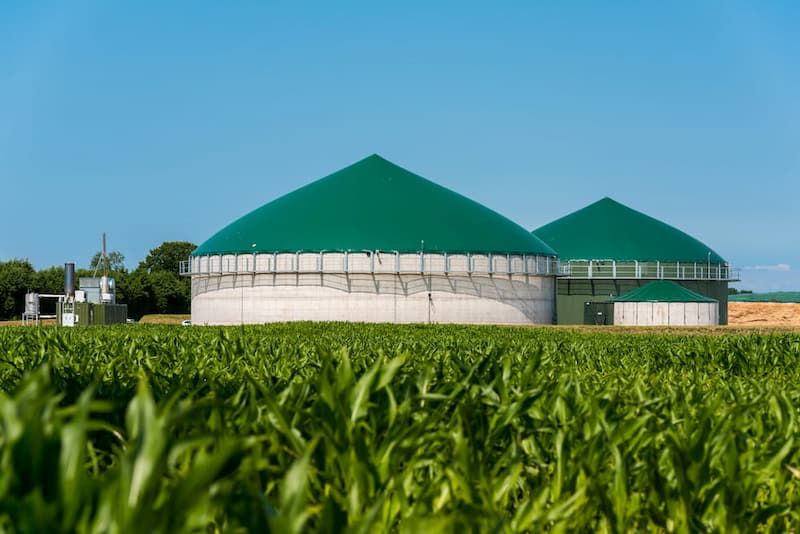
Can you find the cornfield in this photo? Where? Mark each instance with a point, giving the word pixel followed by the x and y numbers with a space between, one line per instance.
pixel 378 428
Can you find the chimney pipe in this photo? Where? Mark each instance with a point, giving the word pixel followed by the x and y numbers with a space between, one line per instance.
pixel 69 279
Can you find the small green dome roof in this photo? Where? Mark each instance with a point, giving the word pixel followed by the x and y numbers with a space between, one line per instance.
pixel 662 291
pixel 608 230
pixel 373 205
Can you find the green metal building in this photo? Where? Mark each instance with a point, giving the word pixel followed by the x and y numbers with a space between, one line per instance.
pixel 88 313
pixel 608 249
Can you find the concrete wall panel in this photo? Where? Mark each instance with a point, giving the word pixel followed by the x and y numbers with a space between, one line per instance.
pixel 691 314
pixel 660 312
pixel 644 313
pixel 663 313
pixel 480 263
pixel 619 313
pixel 677 313
pixel 707 313
pixel 384 262
pixel 269 297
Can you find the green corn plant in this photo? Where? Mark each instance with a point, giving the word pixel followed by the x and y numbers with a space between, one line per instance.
pixel 343 427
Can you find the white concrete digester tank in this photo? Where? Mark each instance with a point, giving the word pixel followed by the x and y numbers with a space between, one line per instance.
pixel 373 242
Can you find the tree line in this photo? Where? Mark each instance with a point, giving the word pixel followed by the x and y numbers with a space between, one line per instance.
pixel 734 291
pixel 154 286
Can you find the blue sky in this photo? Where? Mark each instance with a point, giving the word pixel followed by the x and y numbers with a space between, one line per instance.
pixel 156 121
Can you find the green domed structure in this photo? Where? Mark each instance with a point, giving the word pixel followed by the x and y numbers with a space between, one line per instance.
pixel 610 230
pixel 608 249
pixel 373 242
pixel 373 205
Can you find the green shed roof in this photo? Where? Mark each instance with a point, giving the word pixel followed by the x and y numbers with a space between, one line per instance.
pixel 373 205
pixel 608 230
pixel 662 291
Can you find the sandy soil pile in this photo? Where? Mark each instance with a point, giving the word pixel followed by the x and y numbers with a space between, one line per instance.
pixel 43 322
pixel 164 318
pixel 763 313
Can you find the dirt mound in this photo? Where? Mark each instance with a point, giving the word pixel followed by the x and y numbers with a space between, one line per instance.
pixel 164 318
pixel 763 313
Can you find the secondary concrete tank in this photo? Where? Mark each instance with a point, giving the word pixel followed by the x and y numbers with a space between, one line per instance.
pixel 665 303
pixel 373 242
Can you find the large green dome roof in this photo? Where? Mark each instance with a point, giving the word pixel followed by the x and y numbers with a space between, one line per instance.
pixel 373 205
pixel 608 230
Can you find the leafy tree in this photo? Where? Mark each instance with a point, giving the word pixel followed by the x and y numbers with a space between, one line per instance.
pixel 156 286
pixel 158 292
pixel 49 280
pixel 169 294
pixel 138 295
pixel 734 291
pixel 116 261
pixel 167 256
pixel 16 279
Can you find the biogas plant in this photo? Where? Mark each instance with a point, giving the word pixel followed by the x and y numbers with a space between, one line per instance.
pixel 374 242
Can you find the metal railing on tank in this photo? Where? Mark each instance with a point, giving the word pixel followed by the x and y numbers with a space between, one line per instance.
pixel 370 262
pixel 611 269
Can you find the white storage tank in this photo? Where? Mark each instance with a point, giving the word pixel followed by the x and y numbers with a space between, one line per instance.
pixel 665 303
pixel 32 304
pixel 376 243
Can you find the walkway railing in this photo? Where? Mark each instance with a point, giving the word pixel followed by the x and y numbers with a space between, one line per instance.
pixel 609 269
pixel 370 262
